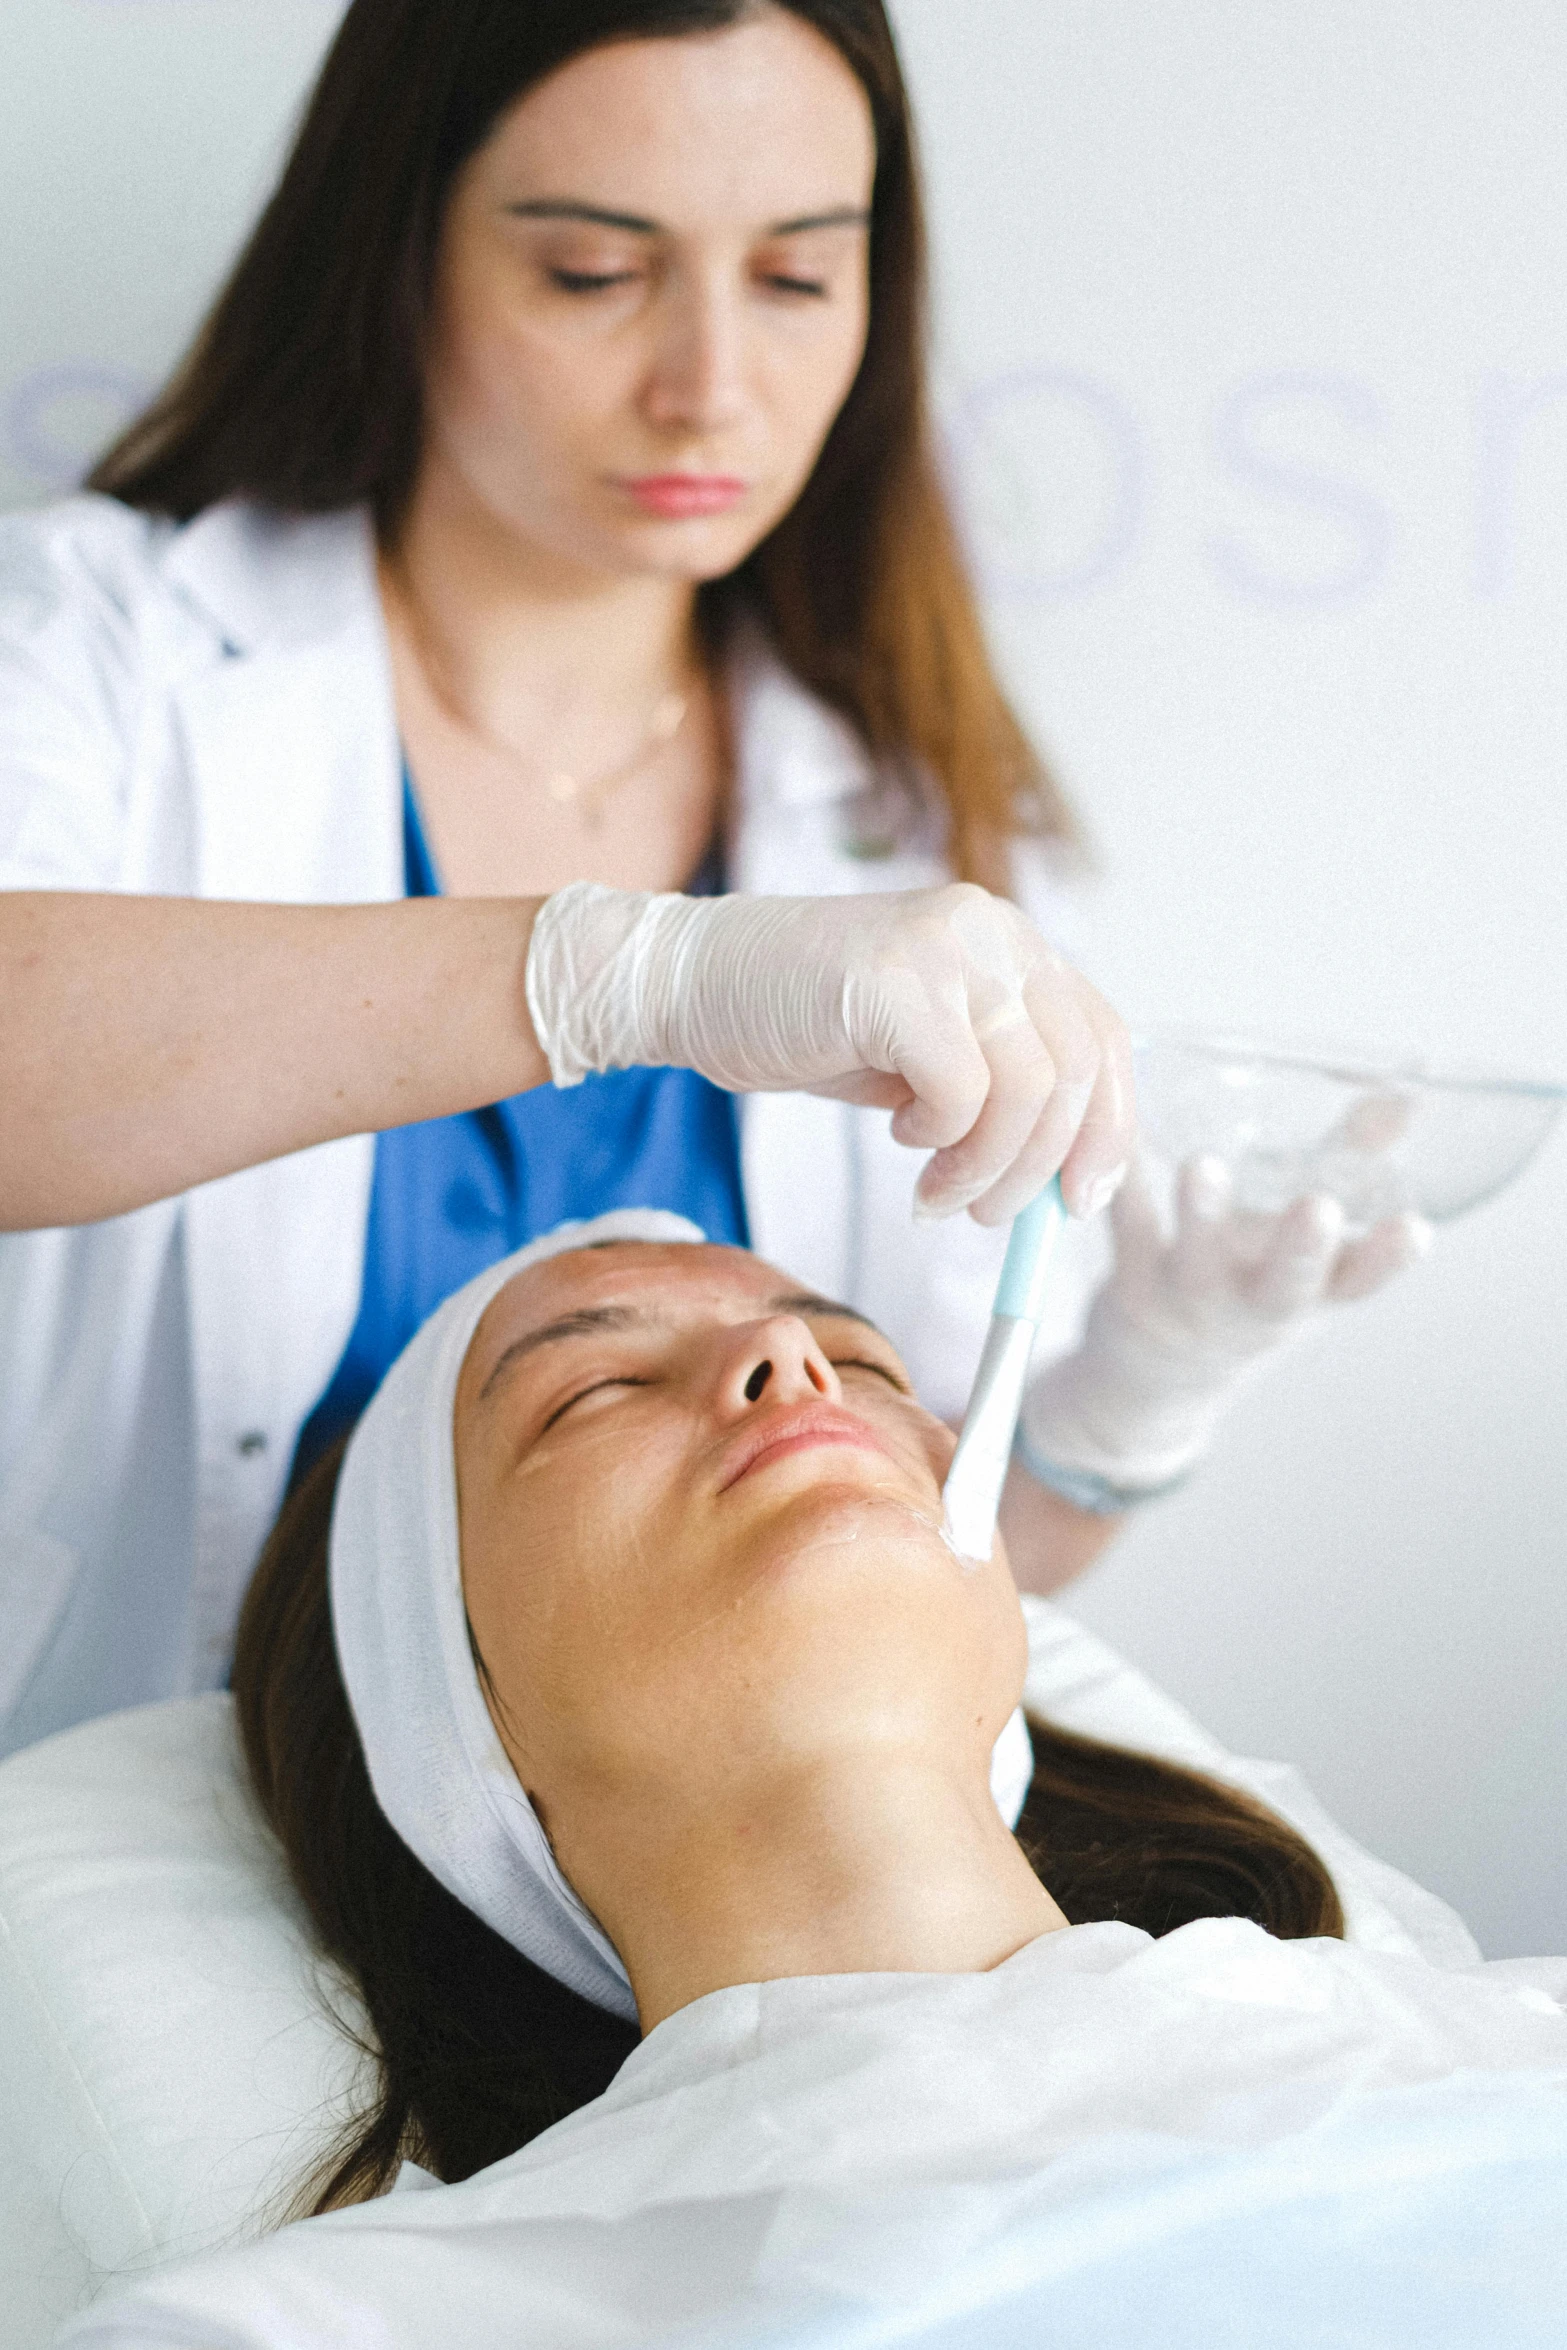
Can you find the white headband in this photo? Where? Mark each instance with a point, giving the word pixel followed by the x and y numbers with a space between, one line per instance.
pixel 440 1773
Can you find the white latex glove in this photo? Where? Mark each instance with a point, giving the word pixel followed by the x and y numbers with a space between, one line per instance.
pixel 942 1005
pixel 1182 1320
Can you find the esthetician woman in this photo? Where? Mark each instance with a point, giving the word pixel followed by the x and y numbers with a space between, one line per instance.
pixel 545 517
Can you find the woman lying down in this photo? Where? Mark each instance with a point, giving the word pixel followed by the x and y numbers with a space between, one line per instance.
pixel 652 1765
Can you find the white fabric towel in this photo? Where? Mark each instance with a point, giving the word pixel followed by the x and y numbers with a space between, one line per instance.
pixel 438 1768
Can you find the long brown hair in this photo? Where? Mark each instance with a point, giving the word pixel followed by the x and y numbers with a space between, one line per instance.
pixel 303 390
pixel 479 2050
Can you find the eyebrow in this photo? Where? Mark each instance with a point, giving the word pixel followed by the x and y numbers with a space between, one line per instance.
pixel 588 1320
pixel 563 208
pixel 581 1324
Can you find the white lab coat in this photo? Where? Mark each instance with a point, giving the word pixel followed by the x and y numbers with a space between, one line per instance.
pixel 208 712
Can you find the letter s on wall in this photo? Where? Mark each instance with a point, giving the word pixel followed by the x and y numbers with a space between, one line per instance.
pixel 1241 446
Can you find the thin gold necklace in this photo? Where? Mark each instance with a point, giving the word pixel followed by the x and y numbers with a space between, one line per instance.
pixel 589 797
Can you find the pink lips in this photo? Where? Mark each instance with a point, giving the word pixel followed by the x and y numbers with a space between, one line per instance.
pixel 798 1431
pixel 681 496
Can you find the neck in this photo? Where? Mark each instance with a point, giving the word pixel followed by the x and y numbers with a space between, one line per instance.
pixel 516 629
pixel 877 1868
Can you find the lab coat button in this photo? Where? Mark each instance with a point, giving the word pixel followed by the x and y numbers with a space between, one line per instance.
pixel 250 1444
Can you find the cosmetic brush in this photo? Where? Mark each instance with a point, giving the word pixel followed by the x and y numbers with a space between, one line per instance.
pixel 972 1494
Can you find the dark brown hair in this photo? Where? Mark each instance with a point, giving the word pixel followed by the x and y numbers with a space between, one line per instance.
pixel 303 390
pixel 478 2049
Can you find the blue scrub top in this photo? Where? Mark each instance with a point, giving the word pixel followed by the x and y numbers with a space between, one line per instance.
pixel 453 1195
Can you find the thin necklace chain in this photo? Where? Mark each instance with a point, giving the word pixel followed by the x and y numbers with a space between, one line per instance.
pixel 589 796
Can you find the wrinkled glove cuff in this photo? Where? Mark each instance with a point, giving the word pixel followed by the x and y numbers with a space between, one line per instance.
pixel 604 968
pixel 1086 1489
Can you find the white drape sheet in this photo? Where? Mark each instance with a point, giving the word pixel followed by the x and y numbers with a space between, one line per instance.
pixel 1212 2139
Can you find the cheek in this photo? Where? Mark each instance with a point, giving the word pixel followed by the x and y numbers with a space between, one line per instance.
pixel 808 382
pixel 934 1443
pixel 565 1564
pixel 510 390
pixel 506 399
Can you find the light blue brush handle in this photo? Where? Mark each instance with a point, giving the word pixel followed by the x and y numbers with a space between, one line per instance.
pixel 1021 1294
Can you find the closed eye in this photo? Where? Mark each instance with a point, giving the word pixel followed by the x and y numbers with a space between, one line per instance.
pixel 864 1363
pixel 797 285
pixel 597 1388
pixel 582 281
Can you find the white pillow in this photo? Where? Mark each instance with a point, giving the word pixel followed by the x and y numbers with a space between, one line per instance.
pixel 169 2067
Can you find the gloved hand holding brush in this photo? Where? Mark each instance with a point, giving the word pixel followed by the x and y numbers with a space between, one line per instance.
pixel 1182 1320
pixel 945 1006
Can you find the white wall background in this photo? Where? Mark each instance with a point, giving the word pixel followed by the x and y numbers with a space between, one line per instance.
pixel 1254 353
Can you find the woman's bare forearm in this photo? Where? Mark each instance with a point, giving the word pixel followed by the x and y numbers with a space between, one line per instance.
pixel 147 1044
pixel 1049 1540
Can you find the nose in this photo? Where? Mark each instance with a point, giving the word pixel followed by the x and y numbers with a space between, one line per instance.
pixel 776 1361
pixel 696 379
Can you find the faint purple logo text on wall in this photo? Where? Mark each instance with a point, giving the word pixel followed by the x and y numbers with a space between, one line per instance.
pixel 1291 490
pixel 1288 490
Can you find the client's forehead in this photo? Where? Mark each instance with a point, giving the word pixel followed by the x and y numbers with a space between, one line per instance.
pixel 645 1281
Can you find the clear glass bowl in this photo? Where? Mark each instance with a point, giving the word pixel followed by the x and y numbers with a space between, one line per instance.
pixel 1380 1133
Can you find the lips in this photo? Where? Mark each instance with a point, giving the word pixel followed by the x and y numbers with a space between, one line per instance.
pixel 682 496
pixel 798 1431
